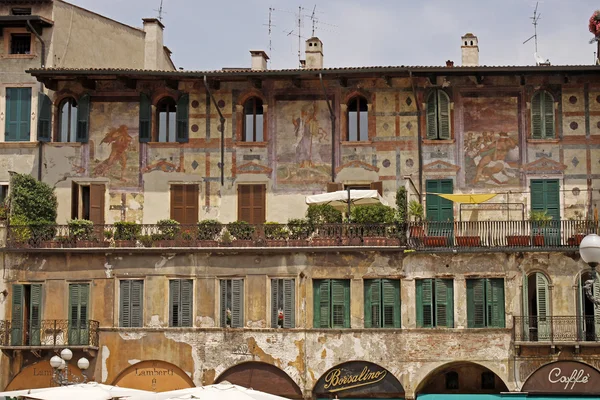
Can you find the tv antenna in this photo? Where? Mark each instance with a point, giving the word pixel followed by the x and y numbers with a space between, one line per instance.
pixel 160 11
pixel 270 25
pixel 539 60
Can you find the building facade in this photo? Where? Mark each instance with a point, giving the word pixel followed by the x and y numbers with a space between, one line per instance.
pixel 476 299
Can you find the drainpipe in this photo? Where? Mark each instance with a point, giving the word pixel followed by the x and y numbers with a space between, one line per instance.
pixel 42 58
pixel 222 119
pixel 332 116
pixel 419 141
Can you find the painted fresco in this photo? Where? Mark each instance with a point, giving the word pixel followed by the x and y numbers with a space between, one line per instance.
pixel 491 141
pixel 303 143
pixel 114 145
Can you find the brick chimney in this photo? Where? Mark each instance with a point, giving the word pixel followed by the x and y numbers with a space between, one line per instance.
pixel 314 53
pixel 470 50
pixel 259 60
pixel 153 51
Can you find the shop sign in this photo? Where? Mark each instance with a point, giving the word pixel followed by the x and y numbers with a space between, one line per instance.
pixel 564 377
pixel 338 379
pixel 154 376
pixel 358 377
pixel 39 375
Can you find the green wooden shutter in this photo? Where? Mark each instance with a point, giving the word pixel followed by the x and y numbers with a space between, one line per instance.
pixel 125 304
pixel 432 120
pixel 145 134
pixel 391 303
pixel 444 313
pixel 542 306
pixel 137 303
pixel 443 115
pixel 44 118
pixel 237 303
pixel 322 304
pixel 83 118
pixel 536 116
pixel 446 206
pixel 476 303
pixel 18 114
pixel 174 303
pixel 376 304
pixel 182 118
pixel 548 115
pixel 74 323
pixel 289 303
pixel 495 302
pixel 536 189
pixel 425 303
pixel 274 302
pixel 368 295
pixel 223 302
pixel 35 315
pixel 525 307
pixel 339 318
pixel 16 331
pixel 187 302
pixel 552 192
pixel 438 208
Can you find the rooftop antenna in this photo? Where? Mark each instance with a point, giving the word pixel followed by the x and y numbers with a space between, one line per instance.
pixel 314 20
pixel 270 25
pixel 539 60
pixel 160 11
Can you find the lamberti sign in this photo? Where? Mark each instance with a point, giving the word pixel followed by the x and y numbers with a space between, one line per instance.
pixel 154 376
pixel 39 375
pixel 563 377
pixel 358 378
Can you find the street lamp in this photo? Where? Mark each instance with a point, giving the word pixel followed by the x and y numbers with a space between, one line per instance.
pixel 60 368
pixel 590 253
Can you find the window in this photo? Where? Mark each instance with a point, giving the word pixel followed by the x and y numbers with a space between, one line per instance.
pixel 232 303
pixel 79 333
pixel 20 43
pixel 488 380
pixel 536 310
pixel 382 303
pixel 452 380
pixel 545 196
pixel 67 120
pixel 283 300
pixel 438 208
pixel 166 118
pixel 435 303
pixel 3 192
pixel 542 116
pixel 331 303
pixel 26 315
pixel 358 119
pixel 181 298
pixel 485 303
pixel 438 116
pixel 253 120
pixel 589 313
pixel 18 114
pixel 184 204
pixel 251 203
pixel 131 304
pixel 87 202
pixel 21 11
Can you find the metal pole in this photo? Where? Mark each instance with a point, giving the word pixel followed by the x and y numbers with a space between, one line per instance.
pixel 222 119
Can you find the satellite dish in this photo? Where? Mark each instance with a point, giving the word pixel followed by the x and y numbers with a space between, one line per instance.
pixel 539 60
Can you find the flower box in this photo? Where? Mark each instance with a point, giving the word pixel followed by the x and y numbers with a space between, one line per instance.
pixel 468 241
pixel 375 241
pixel 125 243
pixel 518 240
pixel 435 241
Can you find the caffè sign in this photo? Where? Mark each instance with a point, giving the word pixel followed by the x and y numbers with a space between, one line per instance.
pixel 564 377
pixel 358 377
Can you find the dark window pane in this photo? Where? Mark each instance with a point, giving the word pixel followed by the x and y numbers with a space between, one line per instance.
pixel 20 44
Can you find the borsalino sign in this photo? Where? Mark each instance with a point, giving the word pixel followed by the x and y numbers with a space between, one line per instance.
pixel 357 377
pixel 564 377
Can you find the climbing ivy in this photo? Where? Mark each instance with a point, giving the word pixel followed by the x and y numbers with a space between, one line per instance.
pixel 31 201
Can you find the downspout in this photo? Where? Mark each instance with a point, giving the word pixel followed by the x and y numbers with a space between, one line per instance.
pixel 332 116
pixel 419 141
pixel 42 58
pixel 222 119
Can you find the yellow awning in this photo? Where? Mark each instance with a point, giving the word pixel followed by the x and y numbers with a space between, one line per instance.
pixel 467 198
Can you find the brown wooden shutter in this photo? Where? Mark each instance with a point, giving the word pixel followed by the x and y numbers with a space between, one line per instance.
pixel 334 187
pixel 258 204
pixel 74 200
pixel 377 186
pixel 190 207
pixel 177 203
pixel 245 203
pixel 252 203
pixel 97 191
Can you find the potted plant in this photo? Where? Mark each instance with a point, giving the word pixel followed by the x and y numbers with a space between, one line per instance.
pixel 371 224
pixel 276 234
pixel 299 231
pixel 126 233
pixel 168 233
pixel 81 232
pixel 208 232
pixel 540 221
pixel 325 222
pixel 242 233
pixel 466 234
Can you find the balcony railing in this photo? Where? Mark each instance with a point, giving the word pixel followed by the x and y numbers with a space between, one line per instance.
pixel 459 236
pixel 49 333
pixel 557 329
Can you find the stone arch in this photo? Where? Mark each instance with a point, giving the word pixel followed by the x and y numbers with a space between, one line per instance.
pixel 248 94
pixel 358 93
pixel 262 376
pixel 38 376
pixel 579 378
pixel 358 379
pixel 470 376
pixel 154 376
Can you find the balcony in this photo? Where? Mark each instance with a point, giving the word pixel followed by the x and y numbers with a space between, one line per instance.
pixel 466 236
pixel 557 330
pixel 48 334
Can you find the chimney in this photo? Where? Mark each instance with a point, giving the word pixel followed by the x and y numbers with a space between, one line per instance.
pixel 470 50
pixel 449 63
pixel 153 50
pixel 259 60
pixel 314 53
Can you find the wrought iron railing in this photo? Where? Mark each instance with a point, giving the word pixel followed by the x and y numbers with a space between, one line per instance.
pixel 49 333
pixel 458 236
pixel 557 329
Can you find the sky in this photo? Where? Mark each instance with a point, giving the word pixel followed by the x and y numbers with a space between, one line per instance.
pixel 207 35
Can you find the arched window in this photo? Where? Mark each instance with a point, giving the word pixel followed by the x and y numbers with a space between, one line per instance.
pixel 542 115
pixel 536 307
pixel 166 112
pixel 67 120
pixel 358 119
pixel 438 116
pixel 589 315
pixel 253 120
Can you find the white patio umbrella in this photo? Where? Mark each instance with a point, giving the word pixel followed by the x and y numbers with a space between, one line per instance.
pixel 343 199
pixel 114 392
pixel 219 391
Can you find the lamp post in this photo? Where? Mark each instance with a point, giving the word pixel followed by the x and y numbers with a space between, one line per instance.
pixel 60 368
pixel 590 253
